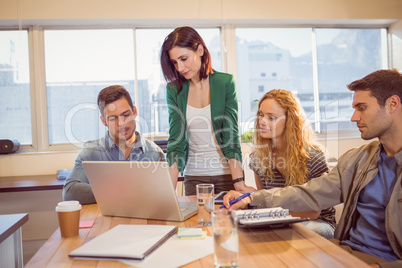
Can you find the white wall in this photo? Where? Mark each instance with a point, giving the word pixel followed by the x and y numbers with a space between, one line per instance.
pixel 201 9
pixel 43 163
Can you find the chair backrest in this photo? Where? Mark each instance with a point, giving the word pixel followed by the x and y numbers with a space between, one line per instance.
pixel 162 144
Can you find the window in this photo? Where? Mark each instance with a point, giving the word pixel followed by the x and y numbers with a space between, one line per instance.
pixel 15 107
pixel 153 117
pixel 316 64
pixel 283 53
pixel 79 63
pixel 342 56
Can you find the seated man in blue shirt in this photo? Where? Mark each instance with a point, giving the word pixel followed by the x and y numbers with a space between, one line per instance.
pixel 121 143
pixel 368 180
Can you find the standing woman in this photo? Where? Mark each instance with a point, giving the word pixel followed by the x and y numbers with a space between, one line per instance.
pixel 202 103
pixel 286 152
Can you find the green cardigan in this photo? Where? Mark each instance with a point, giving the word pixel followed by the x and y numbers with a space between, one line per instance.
pixel 224 114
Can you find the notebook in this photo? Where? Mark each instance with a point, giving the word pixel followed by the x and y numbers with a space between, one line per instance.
pixel 136 190
pixel 265 217
pixel 130 242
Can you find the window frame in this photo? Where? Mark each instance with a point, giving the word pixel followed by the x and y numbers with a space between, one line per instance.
pixel 39 119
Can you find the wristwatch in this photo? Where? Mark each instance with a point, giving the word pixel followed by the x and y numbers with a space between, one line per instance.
pixel 237 180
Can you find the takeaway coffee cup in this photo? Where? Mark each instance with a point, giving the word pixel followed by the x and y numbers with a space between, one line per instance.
pixel 69 217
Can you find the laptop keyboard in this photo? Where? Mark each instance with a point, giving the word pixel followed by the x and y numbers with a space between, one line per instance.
pixel 183 209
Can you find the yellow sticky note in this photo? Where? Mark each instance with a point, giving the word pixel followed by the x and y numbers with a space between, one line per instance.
pixel 204 234
pixel 189 232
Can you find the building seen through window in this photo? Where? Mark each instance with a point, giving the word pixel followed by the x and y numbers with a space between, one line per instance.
pixel 343 55
pixel 15 101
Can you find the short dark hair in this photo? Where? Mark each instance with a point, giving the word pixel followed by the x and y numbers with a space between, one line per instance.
pixel 111 94
pixel 382 84
pixel 185 37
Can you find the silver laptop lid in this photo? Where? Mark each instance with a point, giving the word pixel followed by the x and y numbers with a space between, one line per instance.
pixel 135 189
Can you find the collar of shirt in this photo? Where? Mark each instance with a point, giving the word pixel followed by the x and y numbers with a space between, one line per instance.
pixel 398 156
pixel 139 143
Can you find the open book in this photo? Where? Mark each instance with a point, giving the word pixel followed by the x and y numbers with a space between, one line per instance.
pixel 129 242
pixel 265 217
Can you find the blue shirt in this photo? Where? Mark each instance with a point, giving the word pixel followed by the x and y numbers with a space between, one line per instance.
pixel 368 235
pixel 77 186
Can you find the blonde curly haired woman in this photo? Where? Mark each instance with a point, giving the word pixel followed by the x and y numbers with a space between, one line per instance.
pixel 286 152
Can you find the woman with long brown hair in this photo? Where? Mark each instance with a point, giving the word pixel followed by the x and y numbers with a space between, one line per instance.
pixel 204 139
pixel 287 153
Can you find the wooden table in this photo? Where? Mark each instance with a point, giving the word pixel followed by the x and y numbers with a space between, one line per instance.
pixel 294 246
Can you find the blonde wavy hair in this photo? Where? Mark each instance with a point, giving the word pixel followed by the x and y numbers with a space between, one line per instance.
pixel 299 135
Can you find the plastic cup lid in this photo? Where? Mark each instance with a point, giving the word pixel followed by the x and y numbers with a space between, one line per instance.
pixel 68 206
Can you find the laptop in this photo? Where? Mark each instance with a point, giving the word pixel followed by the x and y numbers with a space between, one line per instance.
pixel 136 190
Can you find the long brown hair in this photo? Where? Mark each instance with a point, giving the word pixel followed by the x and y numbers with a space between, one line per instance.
pixel 185 37
pixel 299 137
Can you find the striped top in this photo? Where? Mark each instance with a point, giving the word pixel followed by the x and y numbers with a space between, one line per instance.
pixel 317 165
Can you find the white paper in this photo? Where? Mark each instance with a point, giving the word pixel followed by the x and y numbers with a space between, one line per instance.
pixel 232 244
pixel 124 241
pixel 176 252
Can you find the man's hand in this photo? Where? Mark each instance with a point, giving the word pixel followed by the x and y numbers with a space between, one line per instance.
pixel 238 205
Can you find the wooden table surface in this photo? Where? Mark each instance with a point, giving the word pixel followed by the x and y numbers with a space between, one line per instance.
pixel 292 246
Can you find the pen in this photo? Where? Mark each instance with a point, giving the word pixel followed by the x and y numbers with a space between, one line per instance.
pixel 236 200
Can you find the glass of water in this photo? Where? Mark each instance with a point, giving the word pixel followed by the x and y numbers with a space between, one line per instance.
pixel 226 241
pixel 205 198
